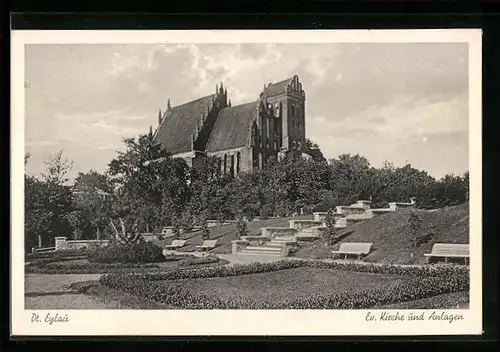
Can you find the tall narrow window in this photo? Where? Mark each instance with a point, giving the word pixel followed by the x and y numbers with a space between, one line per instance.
pixel 219 166
pixel 225 164
pixel 231 170
pixel 238 163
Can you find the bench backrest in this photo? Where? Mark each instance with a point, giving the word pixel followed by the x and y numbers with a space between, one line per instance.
pixel 356 247
pixel 178 243
pixel 210 243
pixel 450 248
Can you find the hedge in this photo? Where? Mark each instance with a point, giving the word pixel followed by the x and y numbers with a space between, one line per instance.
pixel 93 268
pixel 177 294
pixel 127 253
pixel 255 268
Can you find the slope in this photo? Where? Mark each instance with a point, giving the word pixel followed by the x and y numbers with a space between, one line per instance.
pixel 394 242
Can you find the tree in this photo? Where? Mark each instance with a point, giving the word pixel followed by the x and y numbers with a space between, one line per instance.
pixel 331 230
pixel 125 237
pixel 149 177
pixel 57 169
pixel 94 180
pixel 414 223
pixel 241 226
pixel 76 221
pixel 313 150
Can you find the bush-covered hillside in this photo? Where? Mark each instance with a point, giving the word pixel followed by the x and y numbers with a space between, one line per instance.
pixel 393 239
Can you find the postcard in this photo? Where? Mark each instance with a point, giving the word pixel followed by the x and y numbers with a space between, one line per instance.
pixel 246 182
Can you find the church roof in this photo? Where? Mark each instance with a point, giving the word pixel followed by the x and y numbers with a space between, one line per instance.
pixel 279 88
pixel 179 123
pixel 232 126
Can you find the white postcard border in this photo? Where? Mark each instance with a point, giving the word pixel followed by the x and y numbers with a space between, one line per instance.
pixel 240 322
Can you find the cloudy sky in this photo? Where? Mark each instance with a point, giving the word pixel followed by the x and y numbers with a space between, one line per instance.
pixel 395 102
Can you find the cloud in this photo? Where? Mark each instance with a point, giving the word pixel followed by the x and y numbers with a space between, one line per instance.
pixel 381 100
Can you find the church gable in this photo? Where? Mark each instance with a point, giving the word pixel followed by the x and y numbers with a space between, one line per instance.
pixel 231 130
pixel 179 123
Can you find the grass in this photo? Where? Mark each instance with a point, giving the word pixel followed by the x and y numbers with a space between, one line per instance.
pixel 227 233
pixel 287 284
pixel 455 300
pixel 116 299
pixel 392 239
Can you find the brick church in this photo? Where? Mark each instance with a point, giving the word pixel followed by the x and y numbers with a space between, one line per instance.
pixel 242 137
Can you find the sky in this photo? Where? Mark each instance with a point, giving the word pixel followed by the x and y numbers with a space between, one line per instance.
pixel 403 103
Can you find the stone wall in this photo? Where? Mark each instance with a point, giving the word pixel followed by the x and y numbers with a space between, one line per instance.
pixel 278 231
pixel 302 224
pixel 62 243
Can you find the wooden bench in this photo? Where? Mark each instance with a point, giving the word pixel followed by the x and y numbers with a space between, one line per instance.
pixel 355 248
pixel 449 250
pixel 176 244
pixel 207 245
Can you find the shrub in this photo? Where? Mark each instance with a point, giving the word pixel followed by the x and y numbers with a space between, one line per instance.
pixel 330 231
pixel 127 253
pixel 241 226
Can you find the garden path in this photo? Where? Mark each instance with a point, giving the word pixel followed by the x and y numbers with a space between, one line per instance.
pixel 53 292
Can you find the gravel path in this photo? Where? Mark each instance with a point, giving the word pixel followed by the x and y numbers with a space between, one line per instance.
pixel 53 292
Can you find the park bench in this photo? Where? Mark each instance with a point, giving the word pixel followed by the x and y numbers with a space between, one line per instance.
pixel 207 245
pixel 354 248
pixel 176 244
pixel 449 250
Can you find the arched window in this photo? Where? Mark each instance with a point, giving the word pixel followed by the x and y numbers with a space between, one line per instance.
pixel 231 170
pixel 238 163
pixel 225 164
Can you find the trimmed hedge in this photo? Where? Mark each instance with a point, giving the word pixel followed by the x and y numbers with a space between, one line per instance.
pixel 425 282
pixel 93 268
pixel 127 253
pixel 255 268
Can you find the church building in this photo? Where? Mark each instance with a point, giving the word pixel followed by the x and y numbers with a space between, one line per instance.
pixel 242 137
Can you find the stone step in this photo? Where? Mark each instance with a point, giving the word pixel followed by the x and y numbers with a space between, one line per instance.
pixel 263 248
pixel 283 241
pixel 268 254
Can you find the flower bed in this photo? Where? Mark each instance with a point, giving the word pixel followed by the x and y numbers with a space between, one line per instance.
pixel 81 267
pixel 171 288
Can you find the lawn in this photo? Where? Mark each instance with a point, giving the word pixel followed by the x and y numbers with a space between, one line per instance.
pixel 292 285
pixel 288 284
pixel 393 240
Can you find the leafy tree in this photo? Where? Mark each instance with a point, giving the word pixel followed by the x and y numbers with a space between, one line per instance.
pixel 414 223
pixel 314 151
pixel 241 226
pixel 150 178
pixel 94 179
pixel 48 202
pixel 330 231
pixel 76 221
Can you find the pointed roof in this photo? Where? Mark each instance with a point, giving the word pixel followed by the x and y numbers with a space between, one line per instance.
pixel 279 88
pixel 232 125
pixel 179 123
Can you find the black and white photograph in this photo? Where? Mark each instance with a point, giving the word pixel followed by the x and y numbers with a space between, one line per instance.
pixel 276 175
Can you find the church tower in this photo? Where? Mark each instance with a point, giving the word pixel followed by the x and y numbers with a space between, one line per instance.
pixel 286 99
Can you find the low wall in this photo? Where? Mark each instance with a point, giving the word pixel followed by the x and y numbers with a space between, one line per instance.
pixel 256 240
pixel 272 232
pixel 62 243
pixel 400 205
pixel 376 212
pixel 344 209
pixel 302 224
pixel 320 216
